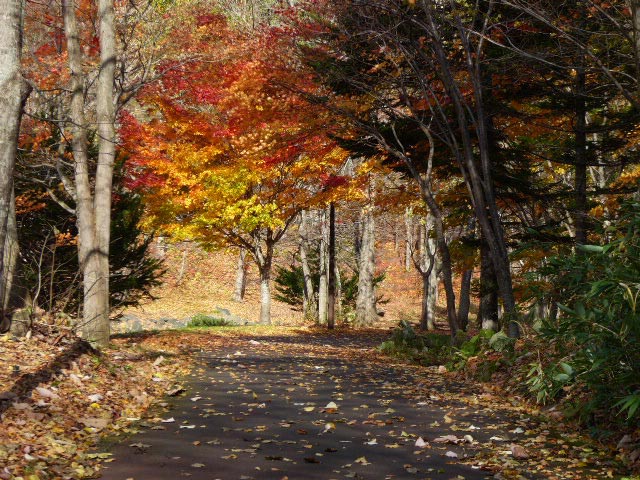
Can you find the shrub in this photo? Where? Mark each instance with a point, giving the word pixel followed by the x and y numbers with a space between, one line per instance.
pixel 201 320
pixel 429 349
pixel 289 285
pixel 595 341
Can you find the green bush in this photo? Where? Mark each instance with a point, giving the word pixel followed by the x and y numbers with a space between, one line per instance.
pixel 201 320
pixel 289 285
pixel 595 341
pixel 405 343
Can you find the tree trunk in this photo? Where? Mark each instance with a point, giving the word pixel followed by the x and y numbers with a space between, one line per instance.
pixel 12 294
pixel 241 276
pixel 338 292
pixel 478 178
pixel 488 309
pixel 264 261
pixel 464 301
pixel 580 132
pixel 634 6
pixel 93 209
pixel 323 285
pixel 265 296
pixel 331 297
pixel 87 245
pixel 308 302
pixel 14 94
pixel 10 263
pixel 429 273
pixel 366 313
pixel 447 271
pixel 98 330
pixel 408 239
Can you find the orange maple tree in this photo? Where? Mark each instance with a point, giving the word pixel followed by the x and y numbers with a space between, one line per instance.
pixel 228 150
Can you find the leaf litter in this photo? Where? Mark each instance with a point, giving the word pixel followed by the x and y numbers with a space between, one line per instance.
pixel 40 436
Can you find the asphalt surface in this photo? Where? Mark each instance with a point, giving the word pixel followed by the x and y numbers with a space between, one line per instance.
pixel 261 409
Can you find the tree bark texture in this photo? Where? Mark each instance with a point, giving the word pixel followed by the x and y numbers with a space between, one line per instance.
pixel 331 268
pixel 464 302
pixel 309 306
pixel 323 285
pixel 241 276
pixel 488 310
pixel 409 239
pixel 429 273
pixel 580 186
pixel 477 175
pixel 93 208
pixel 13 93
pixel 366 313
pixel 264 260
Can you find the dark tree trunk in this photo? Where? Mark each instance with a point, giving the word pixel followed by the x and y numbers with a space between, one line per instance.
pixel 309 306
pixel 465 299
pixel 331 297
pixel 580 131
pixel 240 286
pixel 488 309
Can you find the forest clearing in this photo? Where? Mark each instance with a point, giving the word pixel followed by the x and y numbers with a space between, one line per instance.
pixel 319 239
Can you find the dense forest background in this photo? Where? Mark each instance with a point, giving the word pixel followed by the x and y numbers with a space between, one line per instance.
pixel 488 149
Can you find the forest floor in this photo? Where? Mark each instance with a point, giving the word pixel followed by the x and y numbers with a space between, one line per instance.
pixel 267 402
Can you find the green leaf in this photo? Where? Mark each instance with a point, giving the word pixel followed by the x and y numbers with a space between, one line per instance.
pixel 561 377
pixel 566 368
pixel 591 248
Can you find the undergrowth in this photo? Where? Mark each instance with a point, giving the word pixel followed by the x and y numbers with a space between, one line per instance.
pixel 201 320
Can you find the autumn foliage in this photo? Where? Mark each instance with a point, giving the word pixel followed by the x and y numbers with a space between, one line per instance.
pixel 226 143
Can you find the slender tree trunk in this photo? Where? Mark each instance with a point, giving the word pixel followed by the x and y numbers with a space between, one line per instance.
pixel 97 331
pixel 634 7
pixel 580 132
pixel 429 274
pixel 338 291
pixel 87 244
pixel 93 209
pixel 447 270
pixel 241 276
pixel 464 301
pixel 366 313
pixel 478 178
pixel 323 286
pixel 183 266
pixel 331 297
pixel 409 239
pixel 14 93
pixel 10 259
pixel 14 297
pixel 308 303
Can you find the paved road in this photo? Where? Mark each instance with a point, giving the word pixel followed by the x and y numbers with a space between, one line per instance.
pixel 260 409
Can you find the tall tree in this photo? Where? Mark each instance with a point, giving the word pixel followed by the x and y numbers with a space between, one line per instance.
pixel 232 153
pixel 93 192
pixel 14 92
